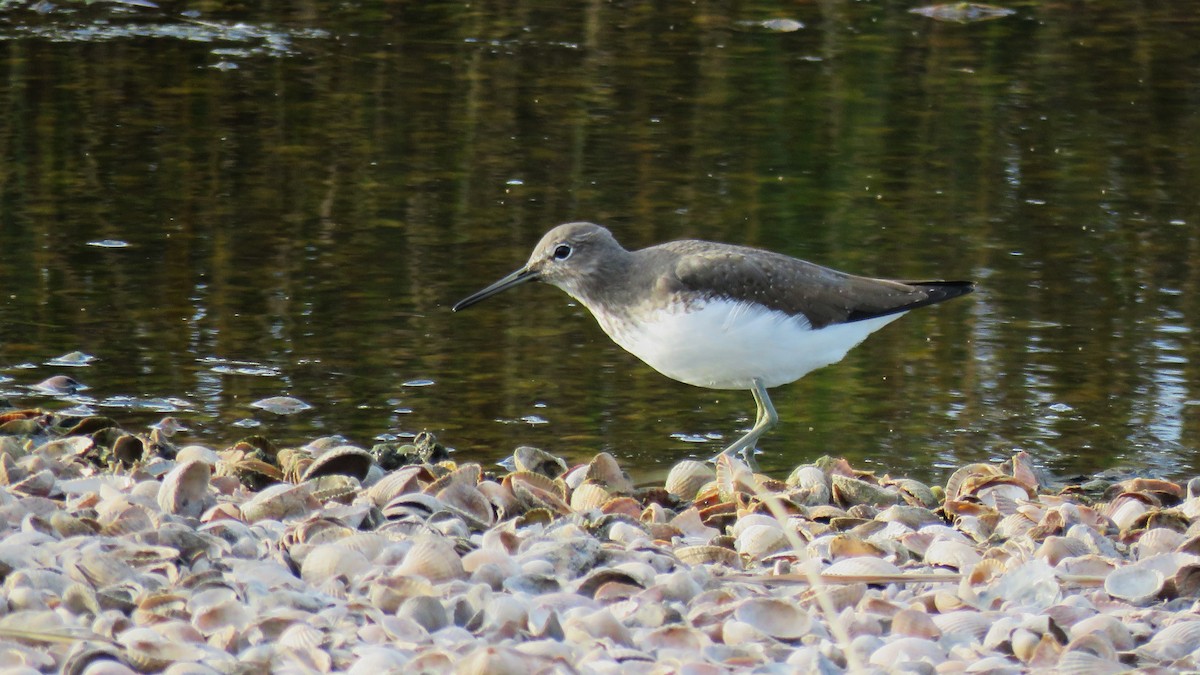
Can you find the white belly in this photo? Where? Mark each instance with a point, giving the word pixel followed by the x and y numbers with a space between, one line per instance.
pixel 725 345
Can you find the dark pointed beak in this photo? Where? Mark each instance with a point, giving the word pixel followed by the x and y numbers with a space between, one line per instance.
pixel 515 279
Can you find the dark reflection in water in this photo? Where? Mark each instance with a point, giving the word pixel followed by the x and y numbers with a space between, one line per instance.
pixel 304 193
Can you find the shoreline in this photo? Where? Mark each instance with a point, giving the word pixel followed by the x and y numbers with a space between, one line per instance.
pixel 125 553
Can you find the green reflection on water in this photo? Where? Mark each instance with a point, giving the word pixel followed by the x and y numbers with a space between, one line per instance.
pixel 317 211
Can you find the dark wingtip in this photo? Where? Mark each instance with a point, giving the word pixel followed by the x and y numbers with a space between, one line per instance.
pixel 944 290
pixel 935 292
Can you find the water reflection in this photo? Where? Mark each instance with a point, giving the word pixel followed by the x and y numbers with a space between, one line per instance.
pixel 298 225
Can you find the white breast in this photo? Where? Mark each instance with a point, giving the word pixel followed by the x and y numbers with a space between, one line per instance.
pixel 722 344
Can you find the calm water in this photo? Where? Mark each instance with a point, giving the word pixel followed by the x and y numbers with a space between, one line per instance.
pixel 222 205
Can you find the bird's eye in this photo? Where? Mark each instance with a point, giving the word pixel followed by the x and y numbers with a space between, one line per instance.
pixel 562 252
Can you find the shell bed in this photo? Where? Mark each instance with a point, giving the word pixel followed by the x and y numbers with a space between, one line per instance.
pixel 125 553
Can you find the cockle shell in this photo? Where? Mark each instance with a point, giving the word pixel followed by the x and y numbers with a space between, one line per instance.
pixel 433 558
pixel 279 502
pixel 707 555
pixel 687 477
pixel 777 618
pixel 344 459
pixel 327 561
pixel 862 566
pixel 588 496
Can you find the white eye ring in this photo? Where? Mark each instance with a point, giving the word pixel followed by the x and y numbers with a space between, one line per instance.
pixel 562 252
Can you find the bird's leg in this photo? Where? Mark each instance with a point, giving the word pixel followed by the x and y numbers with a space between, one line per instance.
pixel 763 421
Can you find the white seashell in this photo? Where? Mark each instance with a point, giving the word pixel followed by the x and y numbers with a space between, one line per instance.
pixel 908 650
pixel 493 556
pixel 735 632
pixel 217 608
pixel 589 496
pixel 863 566
pixel 688 521
pixel 404 480
pixel 149 650
pixel 914 623
pixel 953 554
pixel 375 660
pixel 1113 628
pixel 1134 583
pixel 687 477
pixel 753 519
pixel 779 619
pixel 197 453
pixel 1173 642
pixel 328 561
pixel 426 610
pixel 433 558
pixel 967 622
pixel 1156 541
pixel 1083 663
pixel 675 637
pixel 758 541
pixel 1097 644
pixel 605 470
pixel 370 544
pixel 279 502
pixel 184 490
pixel 1014 526
pixel 493 660
pixel 1055 549
pixel 1125 511
pixel 584 627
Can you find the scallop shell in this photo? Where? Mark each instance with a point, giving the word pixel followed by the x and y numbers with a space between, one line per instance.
pixel 849 491
pixel 465 500
pixel 1173 642
pixel 622 505
pixel 850 546
pixel 908 649
pixel 346 460
pixel 589 496
pixel 150 651
pixel 953 554
pixel 708 555
pixel 1134 584
pixel 777 618
pixel 467 474
pixel 955 484
pixel 401 481
pixel 1114 631
pixel 687 477
pixel 914 623
pixel 968 622
pixel 433 558
pixel 215 609
pixel 605 470
pixel 327 561
pixel 758 541
pixel 1156 541
pixel 839 596
pixel 332 487
pixel 412 504
pixel 535 491
pixel 1083 663
pixel 279 502
pixel 388 593
pixel 1055 549
pixel 527 458
pixel 861 566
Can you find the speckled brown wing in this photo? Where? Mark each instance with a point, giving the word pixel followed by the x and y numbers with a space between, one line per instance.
pixel 824 296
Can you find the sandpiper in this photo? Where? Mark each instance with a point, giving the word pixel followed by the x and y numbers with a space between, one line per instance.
pixel 718 315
